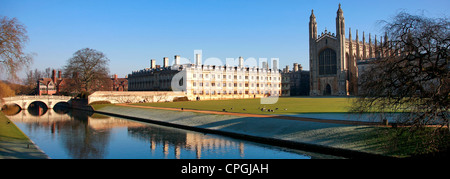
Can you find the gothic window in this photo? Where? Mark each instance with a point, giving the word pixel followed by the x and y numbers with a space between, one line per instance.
pixel 327 62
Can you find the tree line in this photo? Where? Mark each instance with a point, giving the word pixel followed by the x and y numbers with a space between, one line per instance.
pixel 86 71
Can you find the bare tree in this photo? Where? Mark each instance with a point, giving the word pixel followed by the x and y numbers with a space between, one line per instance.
pixel 412 76
pixel 48 72
pixel 32 77
pixel 13 37
pixel 89 70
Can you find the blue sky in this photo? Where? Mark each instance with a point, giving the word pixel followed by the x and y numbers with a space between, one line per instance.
pixel 131 32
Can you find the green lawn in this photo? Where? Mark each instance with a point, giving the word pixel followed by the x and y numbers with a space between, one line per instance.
pixel 288 105
pixel 9 131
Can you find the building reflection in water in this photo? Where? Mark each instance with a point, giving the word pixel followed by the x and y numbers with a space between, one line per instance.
pixel 88 135
pixel 175 140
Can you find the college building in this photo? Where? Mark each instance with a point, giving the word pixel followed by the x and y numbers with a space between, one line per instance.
pixel 335 59
pixel 295 82
pixel 200 81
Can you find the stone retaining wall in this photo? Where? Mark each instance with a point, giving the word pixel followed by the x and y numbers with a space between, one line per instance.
pixel 135 96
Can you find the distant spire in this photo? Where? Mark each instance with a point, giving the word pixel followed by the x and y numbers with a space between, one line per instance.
pixel 312 17
pixel 375 41
pixel 340 12
pixel 357 38
pixel 313 25
pixel 350 34
pixel 364 38
pixel 340 24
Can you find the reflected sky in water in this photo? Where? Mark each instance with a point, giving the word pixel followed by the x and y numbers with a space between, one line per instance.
pixel 78 135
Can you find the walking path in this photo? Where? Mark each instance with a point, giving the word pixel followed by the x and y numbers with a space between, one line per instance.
pixel 331 121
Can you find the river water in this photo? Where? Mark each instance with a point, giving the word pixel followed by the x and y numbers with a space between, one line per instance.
pixel 73 134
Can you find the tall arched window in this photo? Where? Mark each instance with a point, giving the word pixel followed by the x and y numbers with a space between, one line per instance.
pixel 327 62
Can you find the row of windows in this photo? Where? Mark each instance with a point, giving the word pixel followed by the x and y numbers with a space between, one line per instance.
pixel 235 77
pixel 44 88
pixel 234 84
pixel 152 81
pixel 234 92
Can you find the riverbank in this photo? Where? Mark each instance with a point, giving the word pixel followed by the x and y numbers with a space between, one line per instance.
pixel 14 144
pixel 351 141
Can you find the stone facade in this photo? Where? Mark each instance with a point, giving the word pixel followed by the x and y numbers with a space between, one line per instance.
pixel 334 58
pixel 135 96
pixel 295 82
pixel 201 82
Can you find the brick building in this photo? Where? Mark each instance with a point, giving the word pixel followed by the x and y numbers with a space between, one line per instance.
pixel 119 84
pixel 50 86
pixel 334 58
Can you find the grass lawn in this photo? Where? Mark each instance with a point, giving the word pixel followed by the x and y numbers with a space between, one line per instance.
pixel 9 131
pixel 286 105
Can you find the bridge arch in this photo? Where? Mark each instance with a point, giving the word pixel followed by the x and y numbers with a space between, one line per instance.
pixel 38 103
pixel 61 104
pixel 24 101
pixel 37 108
pixel 13 103
pixel 61 107
pixel 10 109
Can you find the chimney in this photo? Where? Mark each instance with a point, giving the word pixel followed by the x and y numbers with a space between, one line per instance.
pixel 115 76
pixel 295 67
pixel 165 62
pixel 54 76
pixel 152 63
pixel 177 60
pixel 264 65
pixel 300 68
pixel 59 75
pixel 241 62
pixel 274 64
pixel 198 59
pixel 287 69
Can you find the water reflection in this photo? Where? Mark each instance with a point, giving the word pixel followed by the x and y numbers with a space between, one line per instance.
pixel 174 141
pixel 81 135
pixel 37 108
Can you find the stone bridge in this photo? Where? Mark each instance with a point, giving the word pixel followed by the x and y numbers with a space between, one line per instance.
pixel 134 96
pixel 24 101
